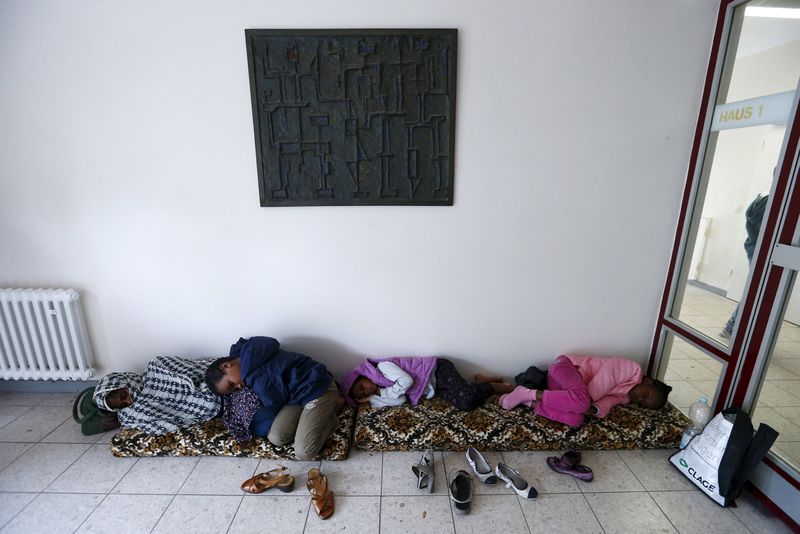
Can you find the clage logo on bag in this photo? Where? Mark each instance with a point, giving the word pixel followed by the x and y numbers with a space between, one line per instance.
pixel 693 473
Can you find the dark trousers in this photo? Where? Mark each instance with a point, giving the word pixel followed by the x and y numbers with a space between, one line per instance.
pixel 452 387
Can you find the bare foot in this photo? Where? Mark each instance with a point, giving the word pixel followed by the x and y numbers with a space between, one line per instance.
pixel 486 379
pixel 502 387
pixel 340 403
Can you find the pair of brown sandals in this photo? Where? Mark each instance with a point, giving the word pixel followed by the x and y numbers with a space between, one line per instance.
pixel 317 484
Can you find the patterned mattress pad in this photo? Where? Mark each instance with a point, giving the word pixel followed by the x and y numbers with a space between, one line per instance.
pixel 212 439
pixel 436 424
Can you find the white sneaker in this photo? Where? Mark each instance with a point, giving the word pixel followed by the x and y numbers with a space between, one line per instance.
pixel 513 479
pixel 480 466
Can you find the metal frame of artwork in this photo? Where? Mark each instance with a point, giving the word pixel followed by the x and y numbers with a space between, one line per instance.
pixel 354 117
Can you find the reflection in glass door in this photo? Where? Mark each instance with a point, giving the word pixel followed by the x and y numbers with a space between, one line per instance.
pixel 778 399
pixel 754 98
pixel 775 387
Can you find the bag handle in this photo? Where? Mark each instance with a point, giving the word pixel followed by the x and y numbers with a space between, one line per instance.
pixel 80 418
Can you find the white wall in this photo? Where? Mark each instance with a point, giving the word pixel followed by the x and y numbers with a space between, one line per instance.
pixel 128 172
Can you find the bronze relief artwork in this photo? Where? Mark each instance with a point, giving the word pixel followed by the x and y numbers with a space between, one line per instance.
pixel 353 117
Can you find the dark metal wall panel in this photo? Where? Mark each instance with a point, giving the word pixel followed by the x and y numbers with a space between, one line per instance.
pixel 354 117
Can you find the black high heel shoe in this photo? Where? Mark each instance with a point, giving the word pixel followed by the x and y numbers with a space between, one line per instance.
pixel 424 471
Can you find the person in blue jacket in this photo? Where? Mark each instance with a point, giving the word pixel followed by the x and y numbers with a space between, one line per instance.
pixel 298 395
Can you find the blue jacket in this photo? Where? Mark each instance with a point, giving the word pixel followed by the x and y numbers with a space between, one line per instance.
pixel 278 377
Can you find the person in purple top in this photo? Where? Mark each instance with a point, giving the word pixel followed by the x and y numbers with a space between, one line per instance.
pixel 395 381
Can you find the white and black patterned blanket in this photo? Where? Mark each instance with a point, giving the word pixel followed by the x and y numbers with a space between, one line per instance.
pixel 174 396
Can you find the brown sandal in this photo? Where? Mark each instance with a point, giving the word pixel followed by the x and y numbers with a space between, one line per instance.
pixel 321 496
pixel 274 478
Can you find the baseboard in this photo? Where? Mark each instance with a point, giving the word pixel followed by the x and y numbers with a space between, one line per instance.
pixel 46 386
pixel 708 287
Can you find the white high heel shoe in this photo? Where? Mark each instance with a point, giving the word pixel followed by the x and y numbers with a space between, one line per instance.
pixel 480 466
pixel 513 479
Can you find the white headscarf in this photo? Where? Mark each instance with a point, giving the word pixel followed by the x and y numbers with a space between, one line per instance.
pixel 114 381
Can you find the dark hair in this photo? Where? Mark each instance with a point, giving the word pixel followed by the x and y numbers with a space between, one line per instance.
pixel 663 391
pixel 214 373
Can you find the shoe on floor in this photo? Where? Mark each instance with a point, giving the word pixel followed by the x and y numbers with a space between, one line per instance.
pixel 480 466
pixel 459 486
pixel 568 465
pixel 424 471
pixel 514 480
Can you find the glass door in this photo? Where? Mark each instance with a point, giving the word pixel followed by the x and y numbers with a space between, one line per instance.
pixel 729 324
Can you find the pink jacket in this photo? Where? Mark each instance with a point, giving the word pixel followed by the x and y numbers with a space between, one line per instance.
pixel 608 380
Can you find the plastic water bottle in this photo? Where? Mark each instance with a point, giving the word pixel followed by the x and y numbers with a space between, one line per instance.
pixel 699 413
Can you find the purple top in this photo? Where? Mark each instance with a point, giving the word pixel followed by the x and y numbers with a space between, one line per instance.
pixel 419 367
pixel 238 410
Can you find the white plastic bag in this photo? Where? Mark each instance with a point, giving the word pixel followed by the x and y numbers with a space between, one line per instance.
pixel 701 458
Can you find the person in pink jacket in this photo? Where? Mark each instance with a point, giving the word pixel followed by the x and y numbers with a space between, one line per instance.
pixel 581 385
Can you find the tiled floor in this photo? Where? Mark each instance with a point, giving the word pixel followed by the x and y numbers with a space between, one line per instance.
pixel 692 373
pixel 53 479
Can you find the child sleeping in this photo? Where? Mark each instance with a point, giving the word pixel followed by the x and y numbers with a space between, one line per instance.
pixel 395 381
pixel 588 385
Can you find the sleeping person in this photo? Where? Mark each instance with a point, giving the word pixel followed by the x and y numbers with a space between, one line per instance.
pixel 289 397
pixel 395 381
pixel 170 395
pixel 588 385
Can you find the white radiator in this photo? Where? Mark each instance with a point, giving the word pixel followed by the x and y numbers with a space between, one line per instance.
pixel 43 335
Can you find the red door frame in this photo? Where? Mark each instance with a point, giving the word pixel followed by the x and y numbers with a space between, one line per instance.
pixel 758 266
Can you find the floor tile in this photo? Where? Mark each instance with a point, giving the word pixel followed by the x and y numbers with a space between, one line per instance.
pixel 771 395
pixel 491 513
pixel 792 365
pixel 610 473
pixel 69 432
pixel 790 412
pixel 455 460
pixel 214 475
pixel 105 437
pixel 789 450
pixel 416 515
pixel 299 470
pixel 789 386
pixel 9 413
pixel 198 513
pixel 757 517
pixel 789 431
pixel 160 475
pixel 653 470
pixel 128 514
pixel 691 511
pixel 776 371
pixel 11 451
pixel 267 513
pixel 97 471
pixel 360 474
pixel 532 465
pixel 560 513
pixel 352 514
pixel 628 513
pixel 54 514
pixel 39 466
pixel 34 424
pixel 30 398
pixel 692 369
pixel 398 479
pixel 12 503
